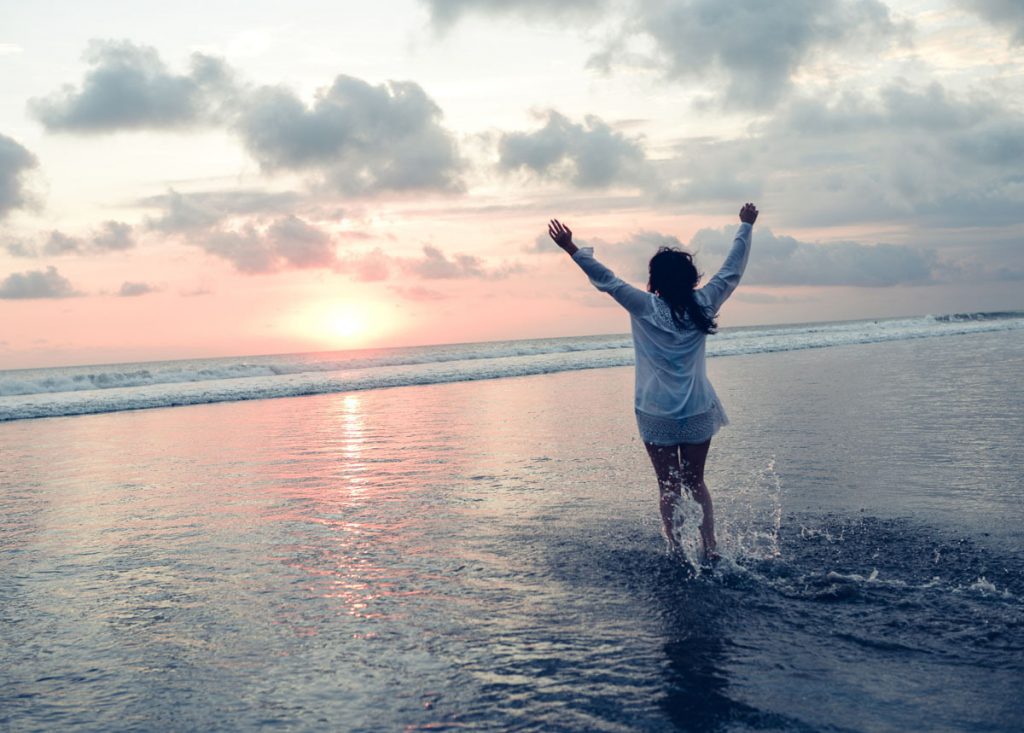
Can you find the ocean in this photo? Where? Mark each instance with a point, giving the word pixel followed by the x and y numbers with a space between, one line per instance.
pixel 33 393
pixel 467 537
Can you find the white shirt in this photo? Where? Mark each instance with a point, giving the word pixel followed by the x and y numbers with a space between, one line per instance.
pixel 671 379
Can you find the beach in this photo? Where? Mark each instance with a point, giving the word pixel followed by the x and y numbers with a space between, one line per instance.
pixel 486 555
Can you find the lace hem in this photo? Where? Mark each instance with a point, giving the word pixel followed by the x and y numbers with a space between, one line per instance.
pixel 671 431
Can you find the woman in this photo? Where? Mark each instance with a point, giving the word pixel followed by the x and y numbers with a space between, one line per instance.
pixel 677 409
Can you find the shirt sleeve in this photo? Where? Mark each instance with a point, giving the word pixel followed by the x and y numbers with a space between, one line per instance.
pixel 720 287
pixel 634 300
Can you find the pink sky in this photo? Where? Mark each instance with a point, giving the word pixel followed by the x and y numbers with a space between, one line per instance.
pixel 307 179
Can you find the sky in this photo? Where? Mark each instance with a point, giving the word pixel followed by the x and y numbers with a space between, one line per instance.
pixel 218 178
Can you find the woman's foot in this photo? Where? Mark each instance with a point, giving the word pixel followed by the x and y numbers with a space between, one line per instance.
pixel 710 558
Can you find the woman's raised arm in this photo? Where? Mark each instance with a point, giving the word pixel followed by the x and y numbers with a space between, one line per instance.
pixel 634 300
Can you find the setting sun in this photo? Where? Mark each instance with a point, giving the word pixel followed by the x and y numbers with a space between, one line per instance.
pixel 340 324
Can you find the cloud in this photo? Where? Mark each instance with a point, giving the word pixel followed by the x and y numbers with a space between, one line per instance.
pixel 113 236
pixel 135 289
pixel 435 265
pixel 191 212
pixel 783 260
pixel 358 138
pixel 754 47
pixel 300 244
pixel 287 243
pixel 19 249
pixel 762 298
pixel 905 153
pixel 446 12
pixel 419 294
pixel 59 243
pixel 371 266
pixel 778 260
pixel 591 154
pixel 1007 14
pixel 354 137
pixel 15 162
pixel 46 283
pixel 128 87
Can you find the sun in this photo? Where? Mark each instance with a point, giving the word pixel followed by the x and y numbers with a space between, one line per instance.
pixel 347 322
pixel 340 324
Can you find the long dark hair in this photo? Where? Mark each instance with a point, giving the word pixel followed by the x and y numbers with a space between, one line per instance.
pixel 673 276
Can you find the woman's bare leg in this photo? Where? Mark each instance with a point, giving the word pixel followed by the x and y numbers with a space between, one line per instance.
pixel 665 459
pixel 691 459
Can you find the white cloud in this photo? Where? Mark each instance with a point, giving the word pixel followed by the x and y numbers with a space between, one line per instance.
pixel 356 137
pixel 128 87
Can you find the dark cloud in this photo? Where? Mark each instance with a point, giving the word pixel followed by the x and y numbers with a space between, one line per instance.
pixel 754 47
pixel 135 289
pixel 355 137
pixel 288 242
pixel 1008 14
pixel 778 260
pixel 446 12
pixel 782 260
pixel 358 138
pixel 15 162
pixel 436 265
pixel 46 283
pixel 19 249
pixel 591 154
pixel 59 243
pixel 191 212
pixel 247 249
pixel 113 236
pixel 300 244
pixel 128 87
pixel 906 153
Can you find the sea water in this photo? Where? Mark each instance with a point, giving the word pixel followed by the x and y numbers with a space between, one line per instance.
pixel 487 555
pixel 31 393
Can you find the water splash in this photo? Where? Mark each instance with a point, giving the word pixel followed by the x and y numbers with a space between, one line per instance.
pixel 750 520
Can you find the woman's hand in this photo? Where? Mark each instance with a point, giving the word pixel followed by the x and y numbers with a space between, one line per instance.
pixel 562 236
pixel 748 214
